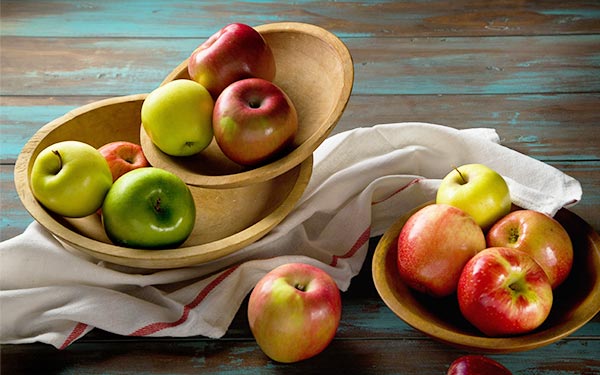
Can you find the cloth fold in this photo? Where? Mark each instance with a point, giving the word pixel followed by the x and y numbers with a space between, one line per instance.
pixel 362 181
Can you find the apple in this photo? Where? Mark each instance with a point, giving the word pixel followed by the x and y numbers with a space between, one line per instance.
pixel 235 52
pixel 503 291
pixel 478 190
pixel 294 312
pixel 122 157
pixel 539 235
pixel 70 178
pixel 475 364
pixel 148 208
pixel 178 117
pixel 254 121
pixel 433 246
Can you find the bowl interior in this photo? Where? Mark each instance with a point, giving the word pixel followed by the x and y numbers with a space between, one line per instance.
pixel 576 301
pixel 314 68
pixel 226 219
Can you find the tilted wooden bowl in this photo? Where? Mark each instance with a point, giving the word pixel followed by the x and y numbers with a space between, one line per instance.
pixel 316 71
pixel 576 301
pixel 226 220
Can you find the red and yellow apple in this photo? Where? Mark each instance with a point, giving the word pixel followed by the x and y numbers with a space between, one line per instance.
pixel 70 178
pixel 178 117
pixel 149 208
pixel 235 52
pixel 503 291
pixel 539 235
pixel 478 190
pixel 254 121
pixel 294 312
pixel 122 157
pixel 434 245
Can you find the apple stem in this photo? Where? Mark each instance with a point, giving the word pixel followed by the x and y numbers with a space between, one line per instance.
pixel 60 162
pixel 460 174
pixel 157 205
pixel 300 287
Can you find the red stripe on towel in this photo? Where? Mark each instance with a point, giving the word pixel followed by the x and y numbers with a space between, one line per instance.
pixel 74 335
pixel 364 237
pixel 159 326
pixel 415 181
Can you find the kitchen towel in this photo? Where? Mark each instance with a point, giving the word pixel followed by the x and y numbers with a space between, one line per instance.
pixel 362 181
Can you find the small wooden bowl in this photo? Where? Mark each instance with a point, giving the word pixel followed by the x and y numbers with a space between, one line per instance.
pixel 226 219
pixel 314 68
pixel 576 301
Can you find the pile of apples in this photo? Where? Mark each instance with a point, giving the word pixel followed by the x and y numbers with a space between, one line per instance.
pixel 501 264
pixel 230 96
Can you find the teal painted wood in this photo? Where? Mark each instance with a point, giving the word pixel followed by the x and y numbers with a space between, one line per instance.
pixel 385 66
pixel 194 18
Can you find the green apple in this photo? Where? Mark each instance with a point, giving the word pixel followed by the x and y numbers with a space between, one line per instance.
pixel 70 178
pixel 478 190
pixel 148 208
pixel 178 117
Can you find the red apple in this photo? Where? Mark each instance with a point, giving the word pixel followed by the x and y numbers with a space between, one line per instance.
pixel 474 364
pixel 539 235
pixel 434 245
pixel 294 312
pixel 235 52
pixel 503 291
pixel 254 121
pixel 122 157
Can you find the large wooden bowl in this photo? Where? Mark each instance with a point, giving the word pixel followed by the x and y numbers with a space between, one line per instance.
pixel 576 301
pixel 227 219
pixel 314 68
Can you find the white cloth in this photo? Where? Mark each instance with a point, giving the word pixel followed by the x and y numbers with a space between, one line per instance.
pixel 363 180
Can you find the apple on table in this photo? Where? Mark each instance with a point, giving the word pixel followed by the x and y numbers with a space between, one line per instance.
pixel 294 312
pixel 149 208
pixel 478 190
pixel 503 291
pixel 123 156
pixel 70 178
pixel 539 235
pixel 254 121
pixel 178 117
pixel 235 52
pixel 434 245
pixel 476 364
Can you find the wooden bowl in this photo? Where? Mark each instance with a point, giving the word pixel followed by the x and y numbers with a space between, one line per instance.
pixel 314 68
pixel 226 219
pixel 576 301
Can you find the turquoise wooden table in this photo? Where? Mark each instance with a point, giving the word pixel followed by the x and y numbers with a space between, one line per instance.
pixel 531 70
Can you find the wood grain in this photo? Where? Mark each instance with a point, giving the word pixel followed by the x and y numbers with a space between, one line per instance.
pixel 527 69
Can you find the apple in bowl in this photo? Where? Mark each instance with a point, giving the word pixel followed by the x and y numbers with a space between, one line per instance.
pixel 539 235
pixel 478 190
pixel 70 178
pixel 235 52
pixel 254 121
pixel 122 157
pixel 503 291
pixel 148 208
pixel 434 245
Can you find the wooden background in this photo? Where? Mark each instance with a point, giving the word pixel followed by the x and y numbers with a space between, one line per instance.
pixel 529 69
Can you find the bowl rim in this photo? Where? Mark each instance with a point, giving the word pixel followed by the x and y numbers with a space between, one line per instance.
pixel 590 305
pixel 295 156
pixel 151 259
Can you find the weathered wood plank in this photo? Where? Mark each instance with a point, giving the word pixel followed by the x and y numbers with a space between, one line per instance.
pixel 139 18
pixel 379 356
pixel 390 66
